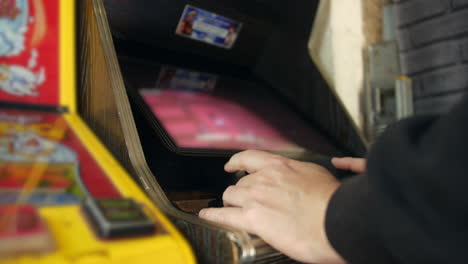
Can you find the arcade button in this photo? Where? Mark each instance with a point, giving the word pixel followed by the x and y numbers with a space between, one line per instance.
pixel 22 231
pixel 117 218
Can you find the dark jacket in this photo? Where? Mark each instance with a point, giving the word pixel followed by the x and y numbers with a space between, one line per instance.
pixel 412 204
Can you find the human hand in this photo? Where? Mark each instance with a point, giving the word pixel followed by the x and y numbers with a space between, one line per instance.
pixel 356 165
pixel 283 201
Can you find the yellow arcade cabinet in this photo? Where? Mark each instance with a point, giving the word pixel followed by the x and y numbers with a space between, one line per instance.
pixel 63 197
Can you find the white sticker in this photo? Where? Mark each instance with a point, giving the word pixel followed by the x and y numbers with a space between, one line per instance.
pixel 208 27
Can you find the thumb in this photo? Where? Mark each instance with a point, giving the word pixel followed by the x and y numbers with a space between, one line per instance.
pixel 356 165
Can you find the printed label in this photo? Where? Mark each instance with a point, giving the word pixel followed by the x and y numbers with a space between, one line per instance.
pixel 201 25
pixel 21 220
pixel 118 210
pixel 42 162
pixel 29 51
pixel 181 79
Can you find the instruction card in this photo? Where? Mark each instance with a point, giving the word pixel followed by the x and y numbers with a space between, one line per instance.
pixel 208 27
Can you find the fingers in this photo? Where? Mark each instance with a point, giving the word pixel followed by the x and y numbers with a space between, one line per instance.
pixel 251 161
pixel 236 196
pixel 231 216
pixel 255 179
pixel 353 164
pixel 248 197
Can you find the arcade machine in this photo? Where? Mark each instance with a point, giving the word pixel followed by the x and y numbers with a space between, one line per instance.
pixel 63 197
pixel 189 83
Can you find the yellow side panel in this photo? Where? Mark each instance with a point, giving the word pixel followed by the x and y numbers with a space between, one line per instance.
pixel 76 243
pixel 67 55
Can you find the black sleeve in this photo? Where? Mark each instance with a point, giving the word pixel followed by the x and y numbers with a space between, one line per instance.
pixel 412 206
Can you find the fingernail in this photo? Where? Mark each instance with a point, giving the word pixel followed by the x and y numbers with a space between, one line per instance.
pixel 202 212
pixel 226 166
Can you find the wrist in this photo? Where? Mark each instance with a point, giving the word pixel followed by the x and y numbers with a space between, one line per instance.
pixel 317 246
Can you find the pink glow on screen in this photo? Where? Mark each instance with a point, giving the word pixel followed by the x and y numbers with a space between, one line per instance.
pixel 196 120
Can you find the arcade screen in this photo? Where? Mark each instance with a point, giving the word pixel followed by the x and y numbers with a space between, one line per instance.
pixel 202 121
pixel 203 111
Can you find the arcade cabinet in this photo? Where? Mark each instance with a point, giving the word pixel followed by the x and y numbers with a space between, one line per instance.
pixel 63 197
pixel 174 88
